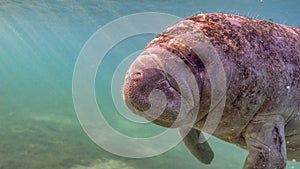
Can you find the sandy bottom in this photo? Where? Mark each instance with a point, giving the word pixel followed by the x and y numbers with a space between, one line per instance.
pixel 56 141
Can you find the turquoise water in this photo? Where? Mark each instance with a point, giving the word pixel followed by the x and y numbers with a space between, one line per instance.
pixel 40 42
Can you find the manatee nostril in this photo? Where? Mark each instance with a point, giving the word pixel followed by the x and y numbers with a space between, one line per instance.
pixel 135 76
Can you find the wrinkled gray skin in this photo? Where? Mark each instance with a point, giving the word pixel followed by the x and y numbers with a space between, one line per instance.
pixel 261 61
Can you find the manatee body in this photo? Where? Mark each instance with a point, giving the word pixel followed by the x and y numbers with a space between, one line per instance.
pixel 261 61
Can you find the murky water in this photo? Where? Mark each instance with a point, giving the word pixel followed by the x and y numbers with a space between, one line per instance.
pixel 40 42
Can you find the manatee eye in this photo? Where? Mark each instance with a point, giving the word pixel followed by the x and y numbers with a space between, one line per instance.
pixel 173 83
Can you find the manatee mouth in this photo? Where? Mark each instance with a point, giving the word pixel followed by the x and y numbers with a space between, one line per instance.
pixel 137 88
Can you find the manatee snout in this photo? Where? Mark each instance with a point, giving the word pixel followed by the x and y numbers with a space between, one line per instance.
pixel 153 94
pixel 139 84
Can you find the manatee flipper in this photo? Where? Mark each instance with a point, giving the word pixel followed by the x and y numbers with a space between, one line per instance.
pixel 266 143
pixel 201 151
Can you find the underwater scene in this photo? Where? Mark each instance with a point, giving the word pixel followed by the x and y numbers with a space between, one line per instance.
pixel 63 64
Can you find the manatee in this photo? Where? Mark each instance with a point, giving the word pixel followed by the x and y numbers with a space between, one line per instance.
pixel 261 65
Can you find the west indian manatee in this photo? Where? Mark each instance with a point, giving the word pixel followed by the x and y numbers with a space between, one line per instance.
pixel 260 62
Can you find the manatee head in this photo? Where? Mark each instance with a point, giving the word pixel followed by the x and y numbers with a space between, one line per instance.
pixel 161 87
